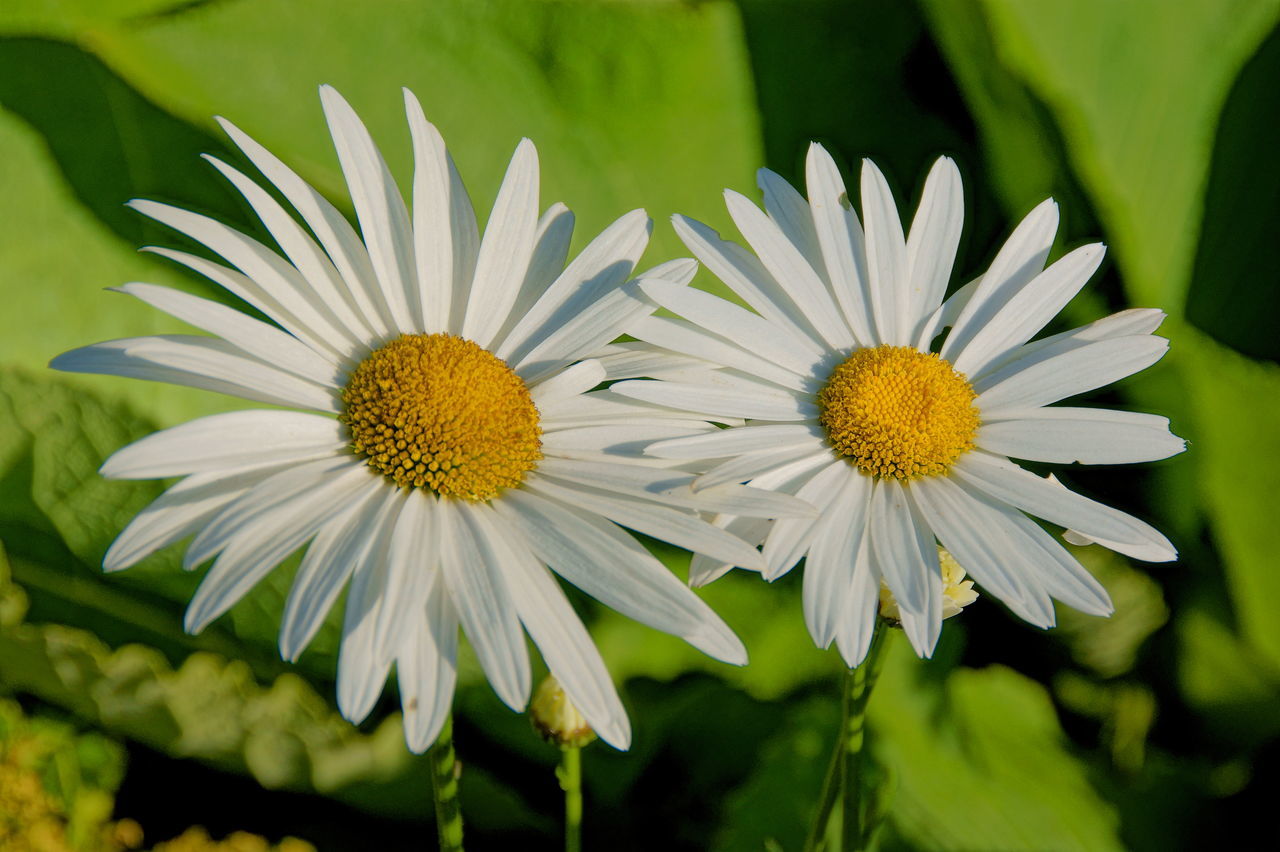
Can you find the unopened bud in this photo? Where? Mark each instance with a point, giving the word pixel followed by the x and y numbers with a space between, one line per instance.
pixel 556 719
pixel 957 592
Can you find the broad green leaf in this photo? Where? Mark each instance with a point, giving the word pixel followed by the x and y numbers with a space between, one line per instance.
pixel 1136 89
pixel 980 763
pixel 1235 689
pixel 631 104
pixel 70 17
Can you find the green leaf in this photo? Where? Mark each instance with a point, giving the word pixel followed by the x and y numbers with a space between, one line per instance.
pixel 980 763
pixel 1235 689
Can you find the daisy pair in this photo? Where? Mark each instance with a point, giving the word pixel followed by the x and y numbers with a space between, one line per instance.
pixel 448 453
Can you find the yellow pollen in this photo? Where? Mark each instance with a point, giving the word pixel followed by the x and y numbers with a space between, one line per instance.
pixel 436 411
pixel 896 411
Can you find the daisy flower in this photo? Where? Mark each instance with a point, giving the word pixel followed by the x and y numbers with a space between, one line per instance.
pixel 449 450
pixel 900 434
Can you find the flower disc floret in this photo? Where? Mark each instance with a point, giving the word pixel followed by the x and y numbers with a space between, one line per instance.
pixel 895 411
pixel 437 411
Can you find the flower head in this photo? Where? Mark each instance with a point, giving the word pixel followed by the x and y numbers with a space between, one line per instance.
pixel 894 410
pixel 450 448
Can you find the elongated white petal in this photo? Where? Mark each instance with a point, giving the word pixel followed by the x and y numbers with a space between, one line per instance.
pixel 223 441
pixel 341 544
pixel 571 381
pixel 582 334
pixel 565 645
pixel 945 315
pixel 180 511
pixel 254 337
pixel 625 440
pixel 829 568
pixel 790 538
pixel 1045 380
pixel 472 560
pixel 326 288
pixel 611 566
pixel 886 256
pixel 687 338
pixel 445 237
pixel 262 528
pixel 330 227
pixel 788 266
pixel 724 443
pixel 681 270
pixel 505 249
pixel 749 466
pixel 975 530
pixel 412 566
pixel 362 671
pixel 380 209
pixel 790 212
pixel 1085 435
pixel 703 569
pixel 427 669
pixel 932 242
pixel 275 286
pixel 1029 309
pixel 1109 527
pixel 895 545
pixel 550 250
pixel 764 404
pixel 861 609
pixel 202 362
pixel 602 266
pixel 843 245
pixel 678 527
pixel 1135 321
pixel 1019 260
pixel 746 276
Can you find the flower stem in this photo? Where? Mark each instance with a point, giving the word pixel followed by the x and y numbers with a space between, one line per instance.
pixel 570 775
pixel 444 786
pixel 843 782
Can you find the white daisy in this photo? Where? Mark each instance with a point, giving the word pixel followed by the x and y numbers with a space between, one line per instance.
pixel 853 408
pixel 450 450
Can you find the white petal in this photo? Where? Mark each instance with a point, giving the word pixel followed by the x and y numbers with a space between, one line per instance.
pixel 427 670
pixel 932 242
pixel 222 441
pixel 1029 310
pixel 788 266
pixel 1135 321
pixel 270 283
pixel 744 329
pixel 341 544
pixel 330 227
pixel 571 381
pixel 412 565
pixel 615 569
pixel 724 443
pixel 506 248
pixel 254 337
pixel 180 511
pixel 362 671
pixel 687 338
pixel 945 315
pixel 703 569
pixel 680 528
pixel 601 267
pixel 259 530
pixel 380 209
pixel 790 538
pixel 861 609
pixel 908 560
pixel 581 335
pixel 472 558
pixel 1050 376
pixel 1019 260
pixel 626 440
pixel 844 249
pixel 1085 435
pixel 886 257
pixel 1109 527
pixel 550 250
pixel 681 270
pixel 765 404
pixel 829 568
pixel 567 648
pixel 790 212
pixel 752 465
pixel 326 288
pixel 975 530
pixel 201 362
pixel 746 276
pixel 445 237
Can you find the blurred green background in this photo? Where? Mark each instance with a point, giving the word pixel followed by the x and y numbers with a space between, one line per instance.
pixel 1152 123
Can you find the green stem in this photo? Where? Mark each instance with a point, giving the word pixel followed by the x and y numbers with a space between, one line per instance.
pixel 570 775
pixel 843 781
pixel 444 786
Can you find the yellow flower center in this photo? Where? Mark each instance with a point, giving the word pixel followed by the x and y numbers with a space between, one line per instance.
pixel 896 411
pixel 437 411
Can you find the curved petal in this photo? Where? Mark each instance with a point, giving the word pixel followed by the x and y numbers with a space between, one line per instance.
pixel 1085 435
